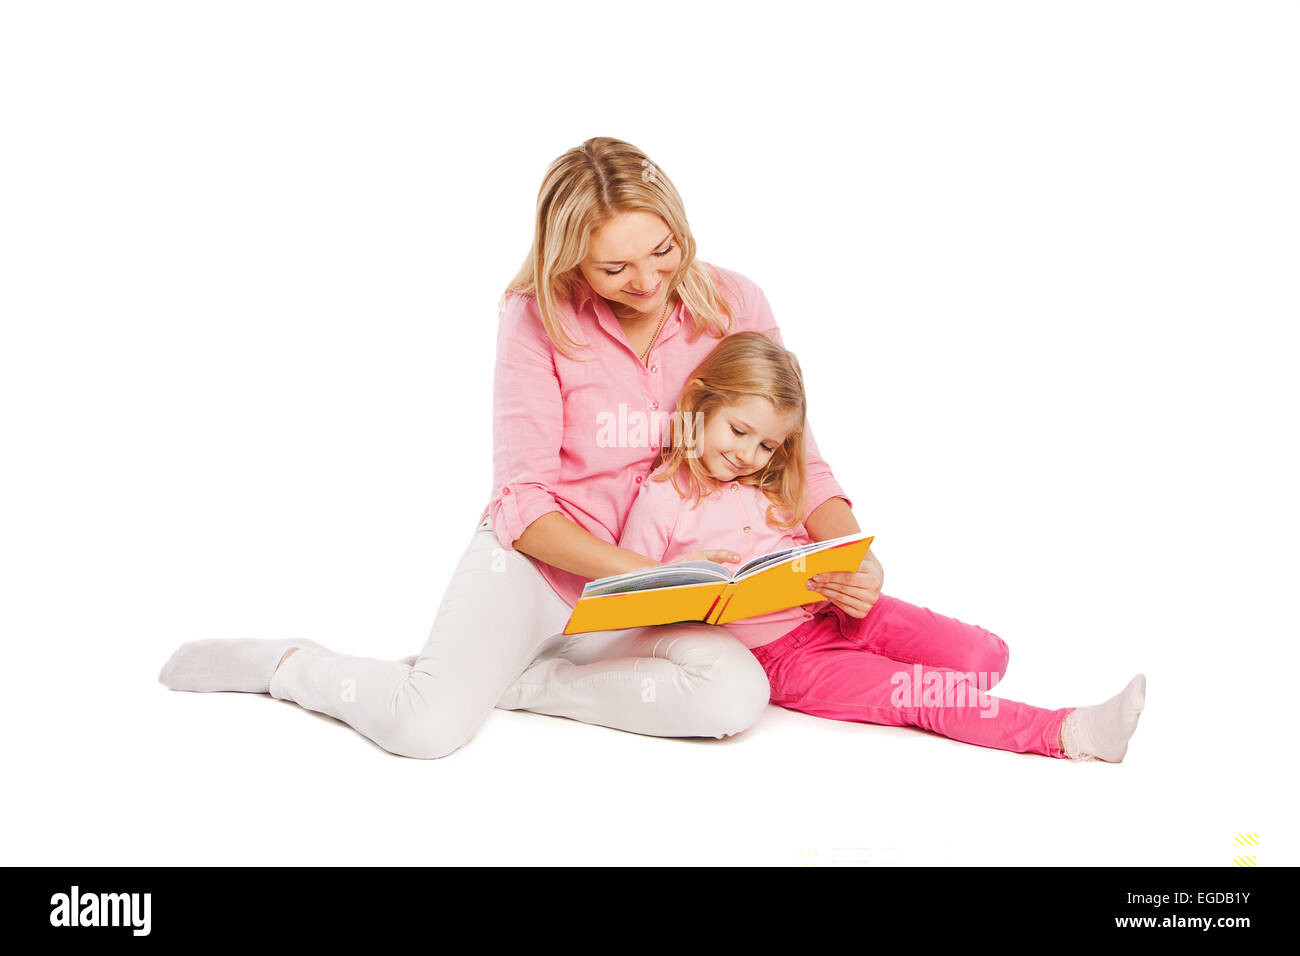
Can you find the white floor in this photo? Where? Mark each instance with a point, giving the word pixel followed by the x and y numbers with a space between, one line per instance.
pixel 121 771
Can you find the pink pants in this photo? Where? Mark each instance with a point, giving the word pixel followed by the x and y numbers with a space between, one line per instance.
pixel 904 665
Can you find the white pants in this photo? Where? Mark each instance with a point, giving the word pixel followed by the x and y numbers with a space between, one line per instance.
pixel 496 642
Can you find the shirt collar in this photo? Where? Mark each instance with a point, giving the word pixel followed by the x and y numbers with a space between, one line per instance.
pixel 585 296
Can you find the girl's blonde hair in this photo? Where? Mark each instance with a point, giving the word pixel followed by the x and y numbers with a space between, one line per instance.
pixel 742 365
pixel 582 190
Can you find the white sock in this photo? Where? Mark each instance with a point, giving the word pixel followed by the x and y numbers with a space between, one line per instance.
pixel 1102 732
pixel 232 664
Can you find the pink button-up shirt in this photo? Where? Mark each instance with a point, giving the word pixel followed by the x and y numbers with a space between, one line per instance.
pixel 580 437
pixel 667 527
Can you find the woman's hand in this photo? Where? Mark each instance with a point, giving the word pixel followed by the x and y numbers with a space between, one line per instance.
pixel 852 592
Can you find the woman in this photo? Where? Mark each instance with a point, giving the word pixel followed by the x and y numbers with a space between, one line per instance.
pixel 596 336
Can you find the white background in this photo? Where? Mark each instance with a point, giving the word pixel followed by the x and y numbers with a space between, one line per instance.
pixel 1039 263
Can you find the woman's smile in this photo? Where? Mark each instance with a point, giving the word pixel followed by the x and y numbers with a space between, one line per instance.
pixel 647 295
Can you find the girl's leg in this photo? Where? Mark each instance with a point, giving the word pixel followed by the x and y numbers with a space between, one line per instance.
pixel 817 670
pixel 916 635
pixel 497 614
pixel 675 680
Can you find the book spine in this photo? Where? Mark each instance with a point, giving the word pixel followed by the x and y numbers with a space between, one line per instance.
pixel 720 602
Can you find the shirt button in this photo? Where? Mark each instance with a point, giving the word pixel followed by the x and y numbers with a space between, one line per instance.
pixel 654 406
pixel 654 368
pixel 505 491
pixel 746 529
pixel 735 486
pixel 638 479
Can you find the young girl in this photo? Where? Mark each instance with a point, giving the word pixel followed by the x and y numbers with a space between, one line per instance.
pixel 733 476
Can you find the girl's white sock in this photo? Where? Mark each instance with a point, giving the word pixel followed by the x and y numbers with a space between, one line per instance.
pixel 234 664
pixel 1102 732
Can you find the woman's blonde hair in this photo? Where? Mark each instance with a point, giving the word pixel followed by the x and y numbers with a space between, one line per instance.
pixel 582 190
pixel 742 365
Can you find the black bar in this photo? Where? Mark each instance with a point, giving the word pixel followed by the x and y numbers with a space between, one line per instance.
pixel 211 905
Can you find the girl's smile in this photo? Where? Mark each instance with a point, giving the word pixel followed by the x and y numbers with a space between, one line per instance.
pixel 739 439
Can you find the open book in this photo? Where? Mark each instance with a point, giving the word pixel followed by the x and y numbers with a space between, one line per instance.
pixel 707 592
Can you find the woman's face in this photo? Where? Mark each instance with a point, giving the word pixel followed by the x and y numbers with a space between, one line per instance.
pixel 739 439
pixel 630 260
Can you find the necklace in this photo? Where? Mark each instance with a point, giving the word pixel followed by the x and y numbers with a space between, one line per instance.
pixel 663 316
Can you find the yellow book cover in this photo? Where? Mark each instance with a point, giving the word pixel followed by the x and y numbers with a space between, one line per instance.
pixel 706 592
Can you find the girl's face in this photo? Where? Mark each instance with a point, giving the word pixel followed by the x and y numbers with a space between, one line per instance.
pixel 738 439
pixel 630 260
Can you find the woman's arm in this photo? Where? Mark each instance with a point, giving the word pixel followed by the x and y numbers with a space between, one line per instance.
pixel 832 510
pixel 555 539
pixel 647 534
pixel 822 486
pixel 528 431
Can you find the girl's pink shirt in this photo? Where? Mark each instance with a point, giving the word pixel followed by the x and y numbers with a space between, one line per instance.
pixel 579 437
pixel 667 527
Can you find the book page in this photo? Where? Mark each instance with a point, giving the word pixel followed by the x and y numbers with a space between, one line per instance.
pixel 781 585
pixel 664 576
pixel 765 561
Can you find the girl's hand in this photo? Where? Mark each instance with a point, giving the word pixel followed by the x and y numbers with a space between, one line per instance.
pixel 852 592
pixel 720 557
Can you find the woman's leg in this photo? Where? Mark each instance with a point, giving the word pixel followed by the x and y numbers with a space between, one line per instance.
pixel 497 614
pixel 818 670
pixel 674 680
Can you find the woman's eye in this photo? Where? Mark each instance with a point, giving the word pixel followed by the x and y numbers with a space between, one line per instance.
pixel 666 251
pixel 735 432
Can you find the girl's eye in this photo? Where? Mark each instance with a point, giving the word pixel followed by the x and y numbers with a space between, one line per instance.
pixel 735 431
pixel 614 272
